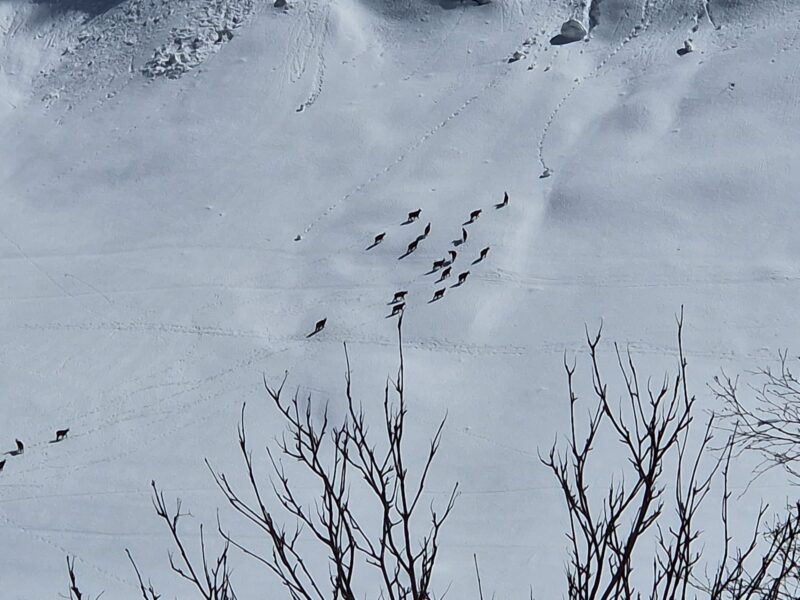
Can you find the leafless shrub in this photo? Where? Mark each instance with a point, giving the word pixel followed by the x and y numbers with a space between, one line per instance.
pixel 769 423
pixel 147 591
pixel 648 514
pixel 343 459
pixel 210 578
pixel 610 535
pixel 74 592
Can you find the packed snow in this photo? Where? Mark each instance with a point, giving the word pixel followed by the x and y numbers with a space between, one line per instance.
pixel 189 186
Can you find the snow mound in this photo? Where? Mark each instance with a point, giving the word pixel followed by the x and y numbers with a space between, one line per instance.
pixel 571 31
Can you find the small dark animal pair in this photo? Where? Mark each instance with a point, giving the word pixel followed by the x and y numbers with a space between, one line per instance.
pixel 440 264
pixel 381 236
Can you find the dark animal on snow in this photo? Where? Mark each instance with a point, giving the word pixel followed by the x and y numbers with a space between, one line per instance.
pixel 318 327
pixel 473 216
pixel 411 248
pixel 481 256
pixel 20 449
pixel 378 239
pixel 396 310
pixel 413 216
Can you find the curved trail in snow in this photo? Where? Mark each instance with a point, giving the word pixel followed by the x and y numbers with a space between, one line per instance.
pixel 636 31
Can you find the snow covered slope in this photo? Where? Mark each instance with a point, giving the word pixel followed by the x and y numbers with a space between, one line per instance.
pixel 159 159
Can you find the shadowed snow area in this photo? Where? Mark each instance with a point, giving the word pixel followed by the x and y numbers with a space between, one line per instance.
pixel 90 7
pixel 189 186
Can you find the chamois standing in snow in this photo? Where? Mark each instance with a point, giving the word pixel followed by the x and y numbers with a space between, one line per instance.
pixel 463 239
pixel 396 310
pixel 61 435
pixel 411 248
pixel 412 216
pixel 462 277
pixel 20 449
pixel 378 239
pixel 399 296
pixel 437 295
pixel 445 274
pixel 453 255
pixel 318 327
pixel 481 256
pixel 438 264
pixel 473 216
pixel 504 202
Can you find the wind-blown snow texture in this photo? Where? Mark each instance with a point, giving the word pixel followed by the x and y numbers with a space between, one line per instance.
pixel 159 158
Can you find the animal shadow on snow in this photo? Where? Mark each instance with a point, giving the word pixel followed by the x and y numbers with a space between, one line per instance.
pixel 562 40
pixel 448 4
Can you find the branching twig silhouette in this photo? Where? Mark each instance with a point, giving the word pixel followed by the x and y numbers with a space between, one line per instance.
pixel 74 592
pixel 338 457
pixel 611 535
pixel 210 578
pixel 770 425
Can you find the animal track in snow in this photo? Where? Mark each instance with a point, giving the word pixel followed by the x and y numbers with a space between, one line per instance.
pixel 637 30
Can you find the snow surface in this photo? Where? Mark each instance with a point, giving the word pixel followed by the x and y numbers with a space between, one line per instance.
pixel 159 158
